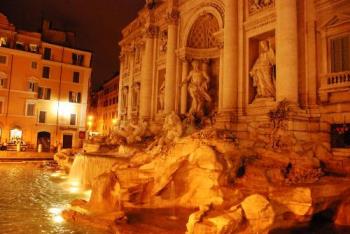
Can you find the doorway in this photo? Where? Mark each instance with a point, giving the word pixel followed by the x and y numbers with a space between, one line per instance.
pixel 44 138
pixel 67 141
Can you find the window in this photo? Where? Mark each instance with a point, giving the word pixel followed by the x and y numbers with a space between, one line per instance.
pixel 1 106
pixel 30 109
pixel 31 86
pixel 40 92
pixel 74 97
pixel 77 59
pixel 47 53
pixel 3 42
pixel 340 135
pixel 340 54
pixel 76 76
pixel 73 118
pixel 20 45
pixel 46 72
pixel 42 117
pixel 3 59
pixel 48 94
pixel 3 83
pixel 34 65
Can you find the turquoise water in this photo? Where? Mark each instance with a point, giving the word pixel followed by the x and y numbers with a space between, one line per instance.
pixel 31 199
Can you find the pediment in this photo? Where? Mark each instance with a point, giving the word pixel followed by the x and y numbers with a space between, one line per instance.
pixel 336 20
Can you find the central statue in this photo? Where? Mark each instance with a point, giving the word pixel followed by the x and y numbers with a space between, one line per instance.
pixel 198 80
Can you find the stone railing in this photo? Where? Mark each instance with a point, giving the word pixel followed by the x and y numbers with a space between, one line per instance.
pixel 334 82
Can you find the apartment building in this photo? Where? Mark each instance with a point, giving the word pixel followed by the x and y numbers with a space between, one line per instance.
pixel 103 111
pixel 43 88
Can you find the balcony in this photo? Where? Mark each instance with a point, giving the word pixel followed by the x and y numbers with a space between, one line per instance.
pixel 334 82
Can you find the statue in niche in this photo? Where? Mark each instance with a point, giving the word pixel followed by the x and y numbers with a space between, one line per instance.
pixel 198 80
pixel 263 71
pixel 125 98
pixel 136 97
pixel 163 42
pixel 161 96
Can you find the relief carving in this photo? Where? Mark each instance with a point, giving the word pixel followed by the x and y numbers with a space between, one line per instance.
pixel 258 5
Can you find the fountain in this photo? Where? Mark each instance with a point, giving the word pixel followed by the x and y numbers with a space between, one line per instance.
pixel 86 167
pixel 210 170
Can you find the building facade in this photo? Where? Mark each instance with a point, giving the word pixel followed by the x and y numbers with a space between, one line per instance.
pixel 237 60
pixel 44 88
pixel 103 111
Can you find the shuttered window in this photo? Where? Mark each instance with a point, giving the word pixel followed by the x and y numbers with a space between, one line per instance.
pixel 340 54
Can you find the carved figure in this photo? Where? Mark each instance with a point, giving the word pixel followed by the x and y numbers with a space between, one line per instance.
pixel 136 97
pixel 161 96
pixel 259 4
pixel 171 132
pixel 263 71
pixel 198 88
pixel 125 98
pixel 137 133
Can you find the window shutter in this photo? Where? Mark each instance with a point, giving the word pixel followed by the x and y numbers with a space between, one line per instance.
pixel 40 92
pixel 70 96
pixel 79 97
pixel 48 94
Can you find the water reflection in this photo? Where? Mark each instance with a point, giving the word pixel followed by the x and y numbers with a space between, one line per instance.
pixel 32 199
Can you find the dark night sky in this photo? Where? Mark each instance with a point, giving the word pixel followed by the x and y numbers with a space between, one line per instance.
pixel 97 23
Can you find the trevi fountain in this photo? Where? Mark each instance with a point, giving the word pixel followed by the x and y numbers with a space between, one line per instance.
pixel 232 118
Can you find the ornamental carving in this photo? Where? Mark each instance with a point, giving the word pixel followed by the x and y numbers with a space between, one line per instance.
pixel 172 16
pixel 163 42
pixel 256 6
pixel 151 31
pixel 202 33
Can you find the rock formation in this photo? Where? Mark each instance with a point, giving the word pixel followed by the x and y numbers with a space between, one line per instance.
pixel 237 188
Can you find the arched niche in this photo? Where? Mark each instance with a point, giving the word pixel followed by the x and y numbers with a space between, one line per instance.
pixel 201 43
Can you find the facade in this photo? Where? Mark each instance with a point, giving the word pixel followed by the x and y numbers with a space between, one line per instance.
pixel 236 60
pixel 44 88
pixel 105 106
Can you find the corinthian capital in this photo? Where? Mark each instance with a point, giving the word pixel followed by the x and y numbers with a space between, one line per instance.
pixel 172 16
pixel 151 31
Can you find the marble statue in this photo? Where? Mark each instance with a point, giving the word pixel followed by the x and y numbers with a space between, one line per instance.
pixel 136 97
pixel 198 80
pixel 262 71
pixel 125 98
pixel 137 132
pixel 161 96
pixel 171 132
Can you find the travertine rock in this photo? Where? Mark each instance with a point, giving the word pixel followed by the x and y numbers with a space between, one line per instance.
pixel 195 218
pixel 297 200
pixel 342 216
pixel 228 222
pixel 106 194
pixel 259 213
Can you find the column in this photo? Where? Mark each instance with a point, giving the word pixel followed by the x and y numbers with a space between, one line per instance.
pixel 183 103
pixel 170 75
pixel 147 73
pixel 286 51
pixel 130 83
pixel 120 86
pixel 228 91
